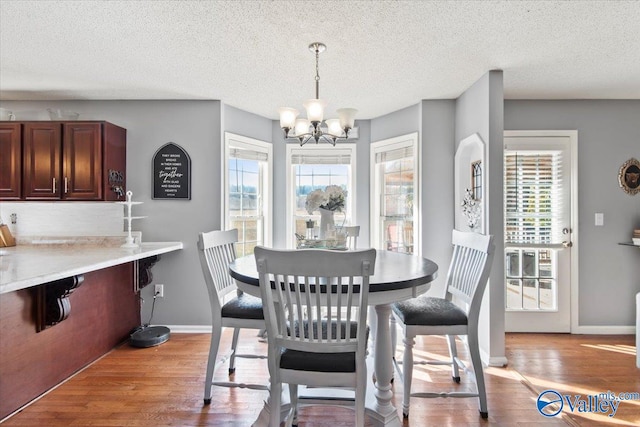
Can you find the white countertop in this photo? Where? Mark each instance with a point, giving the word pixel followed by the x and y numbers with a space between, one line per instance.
pixel 24 266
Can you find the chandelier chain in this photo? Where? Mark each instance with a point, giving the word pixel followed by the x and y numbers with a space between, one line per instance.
pixel 317 73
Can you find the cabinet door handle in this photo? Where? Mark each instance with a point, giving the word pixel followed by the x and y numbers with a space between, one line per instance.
pixel 54 185
pixel 66 185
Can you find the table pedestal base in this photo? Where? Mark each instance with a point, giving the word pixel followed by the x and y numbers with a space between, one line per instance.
pixel 378 407
pixel 376 417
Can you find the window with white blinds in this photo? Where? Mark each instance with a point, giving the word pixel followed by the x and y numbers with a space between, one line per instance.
pixel 247 189
pixel 314 167
pixel 394 197
pixel 533 197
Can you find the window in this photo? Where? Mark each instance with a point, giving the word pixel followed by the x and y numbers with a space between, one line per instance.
pixel 312 168
pixel 394 198
pixel 476 180
pixel 247 188
pixel 533 188
pixel 533 217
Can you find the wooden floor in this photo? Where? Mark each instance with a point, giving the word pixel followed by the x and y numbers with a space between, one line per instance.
pixel 163 386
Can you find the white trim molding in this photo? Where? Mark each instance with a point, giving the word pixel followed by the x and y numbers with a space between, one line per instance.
pixel 239 141
pixel 398 142
pixel 346 148
pixel 575 235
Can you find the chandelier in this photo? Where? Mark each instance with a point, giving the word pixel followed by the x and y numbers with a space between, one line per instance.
pixel 311 128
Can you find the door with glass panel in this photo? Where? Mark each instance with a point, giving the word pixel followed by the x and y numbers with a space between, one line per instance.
pixel 538 230
pixel 394 194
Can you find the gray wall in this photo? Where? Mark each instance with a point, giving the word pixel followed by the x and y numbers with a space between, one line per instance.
pixel 480 110
pixel 363 191
pixel 279 181
pixel 394 124
pixel 437 139
pixel 246 124
pixel 608 135
pixel 195 126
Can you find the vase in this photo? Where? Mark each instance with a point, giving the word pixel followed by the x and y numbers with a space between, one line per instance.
pixel 327 224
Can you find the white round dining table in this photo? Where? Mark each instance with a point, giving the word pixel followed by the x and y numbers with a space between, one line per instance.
pixel 397 277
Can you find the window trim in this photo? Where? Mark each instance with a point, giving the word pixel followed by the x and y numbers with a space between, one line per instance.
pixel 385 145
pixel 239 141
pixel 351 204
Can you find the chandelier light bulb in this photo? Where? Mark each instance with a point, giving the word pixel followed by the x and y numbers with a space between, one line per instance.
pixel 333 127
pixel 288 117
pixel 347 117
pixel 302 126
pixel 315 109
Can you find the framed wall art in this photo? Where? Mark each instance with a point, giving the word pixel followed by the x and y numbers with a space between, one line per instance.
pixel 171 173
pixel 629 176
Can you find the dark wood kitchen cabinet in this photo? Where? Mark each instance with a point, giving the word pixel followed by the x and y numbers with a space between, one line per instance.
pixel 71 161
pixel 42 159
pixel 10 161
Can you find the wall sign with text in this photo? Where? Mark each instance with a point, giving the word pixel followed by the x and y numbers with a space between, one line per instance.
pixel 171 173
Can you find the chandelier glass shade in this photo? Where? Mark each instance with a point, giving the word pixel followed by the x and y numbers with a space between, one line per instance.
pixel 312 128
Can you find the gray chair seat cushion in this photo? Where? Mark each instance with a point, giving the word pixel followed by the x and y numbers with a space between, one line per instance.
pixel 429 311
pixel 243 307
pixel 317 362
pixel 321 362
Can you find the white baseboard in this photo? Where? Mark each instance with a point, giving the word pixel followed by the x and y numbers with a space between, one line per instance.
pixel 490 361
pixel 498 362
pixel 495 361
pixel 189 329
pixel 604 330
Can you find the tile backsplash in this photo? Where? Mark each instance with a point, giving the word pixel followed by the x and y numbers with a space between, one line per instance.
pixel 63 218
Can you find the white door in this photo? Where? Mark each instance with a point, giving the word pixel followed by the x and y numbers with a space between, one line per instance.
pixel 538 230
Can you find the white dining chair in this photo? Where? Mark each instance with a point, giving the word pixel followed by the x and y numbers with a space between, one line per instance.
pixel 454 314
pixel 351 232
pixel 306 348
pixel 230 308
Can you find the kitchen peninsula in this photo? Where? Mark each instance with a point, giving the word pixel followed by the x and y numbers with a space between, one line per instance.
pixel 91 287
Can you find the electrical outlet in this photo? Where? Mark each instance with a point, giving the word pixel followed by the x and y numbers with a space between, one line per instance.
pixel 159 291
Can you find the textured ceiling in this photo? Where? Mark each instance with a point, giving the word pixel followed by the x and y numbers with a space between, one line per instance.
pixel 381 55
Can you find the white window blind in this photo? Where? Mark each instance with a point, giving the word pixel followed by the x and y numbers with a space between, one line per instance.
pixel 248 154
pixel 335 157
pixel 533 197
pixel 247 203
pixel 394 154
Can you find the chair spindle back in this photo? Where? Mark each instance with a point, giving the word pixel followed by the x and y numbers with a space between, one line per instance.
pixel 217 251
pixel 470 266
pixel 317 299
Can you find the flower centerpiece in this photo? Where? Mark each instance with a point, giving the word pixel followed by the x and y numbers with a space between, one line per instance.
pixel 332 198
pixel 327 202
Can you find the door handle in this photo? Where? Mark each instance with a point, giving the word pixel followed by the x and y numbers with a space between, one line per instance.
pixel 567 244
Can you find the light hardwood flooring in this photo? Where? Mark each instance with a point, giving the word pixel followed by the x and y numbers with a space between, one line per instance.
pixel 163 386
